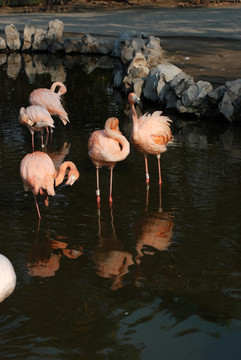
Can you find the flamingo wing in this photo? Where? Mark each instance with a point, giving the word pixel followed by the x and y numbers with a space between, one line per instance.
pixel 39 116
pixel 37 171
pixel 50 101
pixel 102 149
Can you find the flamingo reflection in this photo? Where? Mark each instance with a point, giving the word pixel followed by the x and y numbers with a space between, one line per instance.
pixel 43 258
pixel 58 156
pixel 153 232
pixel 111 260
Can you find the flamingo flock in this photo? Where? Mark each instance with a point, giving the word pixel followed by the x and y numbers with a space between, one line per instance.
pixel 150 136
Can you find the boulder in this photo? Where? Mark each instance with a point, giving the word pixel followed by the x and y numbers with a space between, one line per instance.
pixel 39 43
pixel 159 76
pixel 3 44
pixel 3 58
pixel 28 36
pixel 13 38
pixel 54 32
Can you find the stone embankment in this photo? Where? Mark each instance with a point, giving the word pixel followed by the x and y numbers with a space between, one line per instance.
pixel 143 68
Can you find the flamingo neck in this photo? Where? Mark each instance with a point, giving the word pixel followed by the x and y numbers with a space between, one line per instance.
pixel 62 89
pixel 135 129
pixel 116 135
pixel 62 171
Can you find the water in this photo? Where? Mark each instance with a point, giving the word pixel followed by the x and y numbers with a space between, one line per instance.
pixel 140 280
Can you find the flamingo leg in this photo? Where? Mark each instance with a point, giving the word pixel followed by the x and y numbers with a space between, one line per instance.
pixel 47 136
pixel 42 139
pixel 111 181
pixel 160 198
pixel 97 186
pixel 147 172
pixel 159 168
pixel 37 207
pixel 147 196
pixel 32 141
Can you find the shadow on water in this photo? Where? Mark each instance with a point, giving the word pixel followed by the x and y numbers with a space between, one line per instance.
pixel 171 254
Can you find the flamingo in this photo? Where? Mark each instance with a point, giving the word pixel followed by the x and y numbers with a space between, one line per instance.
pixel 105 148
pixel 150 133
pixel 36 118
pixel 7 277
pixel 51 100
pixel 38 174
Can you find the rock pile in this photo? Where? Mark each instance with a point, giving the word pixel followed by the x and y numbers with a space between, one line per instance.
pixel 143 68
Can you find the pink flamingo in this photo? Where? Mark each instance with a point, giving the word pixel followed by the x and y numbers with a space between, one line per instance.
pixel 51 100
pixel 38 174
pixel 150 134
pixel 7 277
pixel 105 148
pixel 36 118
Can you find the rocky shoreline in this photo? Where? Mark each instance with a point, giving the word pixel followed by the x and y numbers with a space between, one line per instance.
pixel 142 67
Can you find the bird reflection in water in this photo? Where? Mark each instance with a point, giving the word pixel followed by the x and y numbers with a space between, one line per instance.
pixel 153 230
pixel 43 258
pixel 58 156
pixel 111 260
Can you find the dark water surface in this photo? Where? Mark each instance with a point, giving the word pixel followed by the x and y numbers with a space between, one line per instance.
pixel 134 281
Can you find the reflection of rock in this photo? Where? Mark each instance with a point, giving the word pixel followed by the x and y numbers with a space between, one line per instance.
pixel 14 65
pixel 44 63
pixel 90 63
pixel 153 232
pixel 231 142
pixel 30 69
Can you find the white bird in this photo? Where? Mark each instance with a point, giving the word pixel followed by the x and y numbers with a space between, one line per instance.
pixel 7 277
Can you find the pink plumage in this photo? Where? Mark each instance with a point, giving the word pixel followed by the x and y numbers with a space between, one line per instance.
pixel 105 148
pixel 51 100
pixel 150 133
pixel 39 175
pixel 36 118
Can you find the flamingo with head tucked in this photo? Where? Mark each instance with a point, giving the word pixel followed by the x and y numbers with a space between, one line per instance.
pixel 51 100
pixel 39 175
pixel 150 133
pixel 36 118
pixel 105 148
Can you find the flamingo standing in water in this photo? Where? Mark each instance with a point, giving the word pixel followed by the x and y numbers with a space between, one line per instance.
pixel 7 277
pixel 36 118
pixel 51 100
pixel 150 134
pixel 38 174
pixel 105 148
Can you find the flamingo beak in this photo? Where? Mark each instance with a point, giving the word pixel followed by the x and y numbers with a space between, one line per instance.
pixel 137 101
pixel 69 182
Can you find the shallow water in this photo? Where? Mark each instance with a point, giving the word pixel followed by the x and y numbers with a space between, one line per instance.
pixel 141 279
